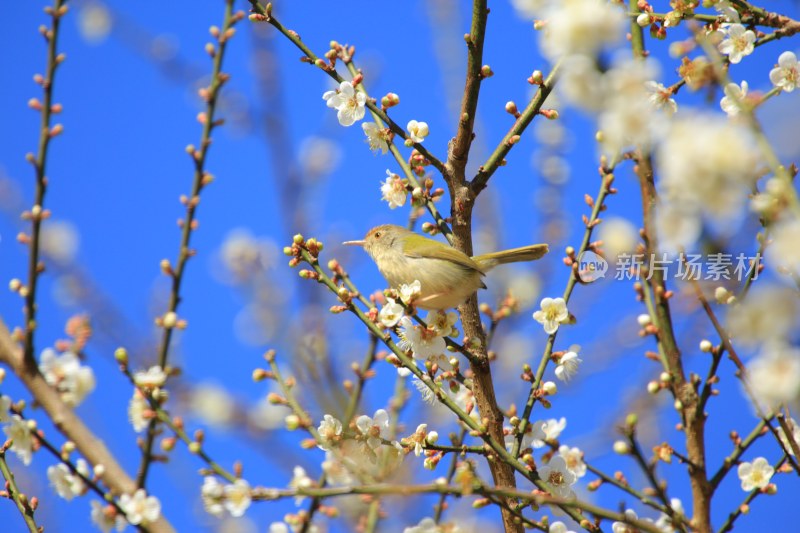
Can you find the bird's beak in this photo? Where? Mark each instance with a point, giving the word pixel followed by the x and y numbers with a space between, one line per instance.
pixel 354 243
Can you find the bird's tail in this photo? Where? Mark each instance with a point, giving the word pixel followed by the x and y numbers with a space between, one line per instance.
pixel 514 255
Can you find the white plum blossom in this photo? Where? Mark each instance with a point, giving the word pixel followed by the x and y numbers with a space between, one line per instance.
pixel 393 191
pixel 376 137
pixel 787 74
pixel 581 27
pixel 755 475
pixel 140 508
pixel 427 394
pixel 278 527
pixel 665 522
pixel 66 483
pixel 336 471
pixel 660 97
pixel 237 497
pixel 622 527
pixel 558 477
pixel 739 42
pixel 22 442
pixel 794 429
pixel 417 131
pixel 106 518
pixel 137 407
pixel 619 236
pixel 734 97
pixel 784 251
pixel 441 322
pixel 552 313
pixel 151 378
pixel 533 437
pixel 724 8
pixel 300 480
pixel 708 167
pixel 390 313
pixel 552 429
pixel 768 315
pixel 423 342
pixel 626 116
pixel 429 525
pixel 568 366
pixel 559 527
pixel 213 493
pixel 376 429
pixel 348 103
pixel 408 292
pixel 65 373
pixel 330 431
pixel 774 375
pixel 574 460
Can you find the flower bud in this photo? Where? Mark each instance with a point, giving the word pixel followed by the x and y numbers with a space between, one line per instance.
pixel 549 388
pixel 121 355
pixel 621 447
pixel 705 345
pixel 643 19
pixel 644 320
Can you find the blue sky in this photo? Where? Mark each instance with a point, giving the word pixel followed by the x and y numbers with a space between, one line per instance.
pixel 117 171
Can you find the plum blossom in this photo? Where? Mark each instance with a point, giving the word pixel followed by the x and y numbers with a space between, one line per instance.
pixel 330 431
pixel 708 167
pixel 660 97
pixel 581 27
pixel 22 441
pixel 390 313
pixel 775 374
pixel 237 497
pixel 558 477
pixel 393 191
pixel 137 409
pixel 423 342
pixel 300 480
pixel 376 137
pixel 568 366
pixel 66 483
pixel 348 103
pixel 376 429
pixel 755 475
pixel 417 131
pixel 441 322
pixel 574 460
pixel 106 518
pixel 787 74
pixel 552 313
pixel 65 373
pixel 213 493
pixel 151 378
pixel 734 97
pixel 408 292
pixel 140 508
pixel 739 42
pixel 623 527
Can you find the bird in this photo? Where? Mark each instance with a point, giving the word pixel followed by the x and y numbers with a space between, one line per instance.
pixel 448 277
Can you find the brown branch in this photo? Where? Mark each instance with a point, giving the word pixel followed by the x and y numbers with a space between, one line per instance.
pixel 458 153
pixel 37 213
pixel 201 179
pixel 68 424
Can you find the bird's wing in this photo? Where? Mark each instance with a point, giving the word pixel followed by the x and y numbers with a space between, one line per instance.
pixel 428 248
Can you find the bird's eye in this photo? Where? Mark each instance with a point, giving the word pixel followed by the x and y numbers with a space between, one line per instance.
pixel 377 234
